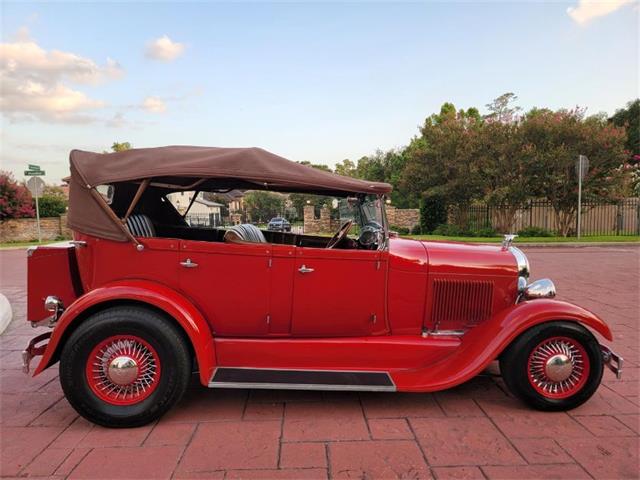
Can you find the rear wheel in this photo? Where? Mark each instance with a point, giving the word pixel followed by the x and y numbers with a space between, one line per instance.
pixel 553 366
pixel 125 366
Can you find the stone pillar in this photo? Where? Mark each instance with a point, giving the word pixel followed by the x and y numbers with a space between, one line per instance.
pixel 325 219
pixel 236 218
pixel 391 214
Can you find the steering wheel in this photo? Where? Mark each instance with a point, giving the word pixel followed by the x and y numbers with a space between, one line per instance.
pixel 340 234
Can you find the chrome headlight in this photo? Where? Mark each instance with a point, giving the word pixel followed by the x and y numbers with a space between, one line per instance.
pixel 522 261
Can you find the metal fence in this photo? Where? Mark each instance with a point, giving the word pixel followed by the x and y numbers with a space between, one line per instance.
pixel 598 218
pixel 205 220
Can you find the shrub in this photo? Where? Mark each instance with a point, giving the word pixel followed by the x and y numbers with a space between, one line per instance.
pixel 51 206
pixel 400 230
pixel 433 213
pixel 447 230
pixel 535 232
pixel 484 232
pixel 15 199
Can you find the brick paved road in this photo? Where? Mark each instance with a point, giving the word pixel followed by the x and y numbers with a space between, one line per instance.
pixel 473 431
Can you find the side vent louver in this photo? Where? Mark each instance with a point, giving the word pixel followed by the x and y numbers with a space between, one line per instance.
pixel 461 303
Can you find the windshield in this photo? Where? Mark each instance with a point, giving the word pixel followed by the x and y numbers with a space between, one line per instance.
pixel 364 211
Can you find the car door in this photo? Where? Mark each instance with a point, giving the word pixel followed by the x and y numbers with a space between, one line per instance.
pixel 229 283
pixel 339 293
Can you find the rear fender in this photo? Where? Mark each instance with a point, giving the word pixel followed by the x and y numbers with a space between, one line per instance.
pixel 145 292
pixel 484 343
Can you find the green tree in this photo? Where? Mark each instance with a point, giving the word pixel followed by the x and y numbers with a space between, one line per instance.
pixel 53 202
pixel 552 141
pixel 120 147
pixel 502 109
pixel 262 206
pixel 15 199
pixel 441 161
pixel 629 118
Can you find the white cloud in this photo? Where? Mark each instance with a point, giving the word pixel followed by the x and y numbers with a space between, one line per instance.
pixel 35 81
pixel 587 10
pixel 164 49
pixel 154 105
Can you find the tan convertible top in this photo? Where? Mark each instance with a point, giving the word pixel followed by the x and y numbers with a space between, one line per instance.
pixel 250 167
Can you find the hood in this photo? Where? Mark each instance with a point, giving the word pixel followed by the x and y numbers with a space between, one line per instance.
pixel 465 258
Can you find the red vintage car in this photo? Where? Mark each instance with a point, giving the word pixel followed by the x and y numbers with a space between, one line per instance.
pixel 139 300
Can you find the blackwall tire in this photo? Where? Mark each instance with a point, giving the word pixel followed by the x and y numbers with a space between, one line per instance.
pixel 536 364
pixel 125 366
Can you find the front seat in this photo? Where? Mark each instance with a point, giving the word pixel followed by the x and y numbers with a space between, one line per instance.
pixel 140 225
pixel 244 233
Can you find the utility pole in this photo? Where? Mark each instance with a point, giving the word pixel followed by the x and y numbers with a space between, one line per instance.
pixel 581 167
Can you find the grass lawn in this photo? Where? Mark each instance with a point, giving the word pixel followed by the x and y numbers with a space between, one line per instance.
pixel 590 239
pixel 27 244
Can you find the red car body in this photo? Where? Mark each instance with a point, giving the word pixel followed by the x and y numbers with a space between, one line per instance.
pixel 308 327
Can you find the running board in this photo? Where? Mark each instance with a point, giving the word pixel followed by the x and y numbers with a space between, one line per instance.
pixel 227 377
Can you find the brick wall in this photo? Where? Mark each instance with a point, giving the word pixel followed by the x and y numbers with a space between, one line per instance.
pixel 26 229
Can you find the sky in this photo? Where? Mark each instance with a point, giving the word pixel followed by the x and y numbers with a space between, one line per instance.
pixel 309 81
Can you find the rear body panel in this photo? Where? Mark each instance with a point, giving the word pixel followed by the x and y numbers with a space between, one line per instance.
pixel 51 270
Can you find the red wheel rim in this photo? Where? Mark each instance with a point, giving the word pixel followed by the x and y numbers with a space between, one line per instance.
pixel 123 370
pixel 558 367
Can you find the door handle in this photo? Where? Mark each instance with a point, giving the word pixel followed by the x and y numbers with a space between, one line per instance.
pixel 188 264
pixel 304 269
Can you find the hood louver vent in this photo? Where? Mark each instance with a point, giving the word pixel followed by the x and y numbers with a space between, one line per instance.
pixel 461 303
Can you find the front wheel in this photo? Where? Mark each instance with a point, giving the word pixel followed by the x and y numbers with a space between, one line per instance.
pixel 553 366
pixel 125 366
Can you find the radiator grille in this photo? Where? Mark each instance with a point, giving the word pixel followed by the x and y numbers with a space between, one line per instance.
pixel 461 302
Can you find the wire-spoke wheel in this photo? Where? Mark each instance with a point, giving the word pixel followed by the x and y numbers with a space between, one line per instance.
pixel 553 366
pixel 125 366
pixel 123 370
pixel 558 367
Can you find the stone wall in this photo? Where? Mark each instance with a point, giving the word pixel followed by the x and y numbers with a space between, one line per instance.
pixel 397 217
pixel 403 217
pixel 26 229
pixel 324 224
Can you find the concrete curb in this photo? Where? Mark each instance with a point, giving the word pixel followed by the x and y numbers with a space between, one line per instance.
pixel 6 313
pixel 578 244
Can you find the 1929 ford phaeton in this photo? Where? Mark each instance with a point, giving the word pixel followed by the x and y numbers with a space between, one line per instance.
pixel 140 299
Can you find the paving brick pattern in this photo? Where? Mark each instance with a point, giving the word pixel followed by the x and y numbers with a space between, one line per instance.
pixel 474 431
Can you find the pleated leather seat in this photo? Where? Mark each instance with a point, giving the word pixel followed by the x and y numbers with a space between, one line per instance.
pixel 246 232
pixel 140 226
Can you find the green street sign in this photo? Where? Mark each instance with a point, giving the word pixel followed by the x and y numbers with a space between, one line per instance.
pixel 33 167
pixel 33 173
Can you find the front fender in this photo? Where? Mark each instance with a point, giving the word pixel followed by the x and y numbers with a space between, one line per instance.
pixel 146 292
pixel 484 343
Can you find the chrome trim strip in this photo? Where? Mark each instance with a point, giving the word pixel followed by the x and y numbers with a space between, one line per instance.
pixel 305 386
pixel 524 269
pixel 444 333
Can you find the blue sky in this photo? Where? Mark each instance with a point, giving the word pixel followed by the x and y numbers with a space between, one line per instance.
pixel 318 82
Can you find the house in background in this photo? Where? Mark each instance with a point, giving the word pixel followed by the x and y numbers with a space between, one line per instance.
pixel 202 212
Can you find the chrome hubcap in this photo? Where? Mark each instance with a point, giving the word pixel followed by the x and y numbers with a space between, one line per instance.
pixel 558 368
pixel 122 370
